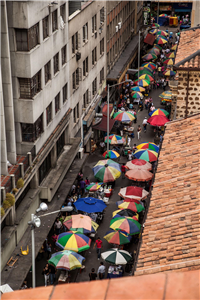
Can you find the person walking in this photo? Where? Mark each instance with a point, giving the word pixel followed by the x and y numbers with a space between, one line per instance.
pixel 123 169
pixel 144 123
pixel 99 245
pixel 139 131
pixel 93 275
pixel 101 271
pixel 52 274
pixel 57 226
pixel 45 272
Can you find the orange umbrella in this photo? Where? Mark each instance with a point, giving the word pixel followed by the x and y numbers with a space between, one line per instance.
pixel 137 163
pixel 81 221
pixel 139 175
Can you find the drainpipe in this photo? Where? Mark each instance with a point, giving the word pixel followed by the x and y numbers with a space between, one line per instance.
pixel 186 106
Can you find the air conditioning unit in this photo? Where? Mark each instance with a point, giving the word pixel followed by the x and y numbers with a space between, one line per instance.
pixel 116 28
pixel 120 25
pixel 78 55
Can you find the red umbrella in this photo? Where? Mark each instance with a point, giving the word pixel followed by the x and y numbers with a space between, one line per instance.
pixel 133 192
pixel 132 200
pixel 138 163
pixel 139 175
pixel 158 120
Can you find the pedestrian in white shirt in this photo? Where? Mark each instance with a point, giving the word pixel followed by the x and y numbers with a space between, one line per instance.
pixel 144 123
pixel 101 271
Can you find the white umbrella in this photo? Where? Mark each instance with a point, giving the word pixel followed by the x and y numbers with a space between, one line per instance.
pixel 116 256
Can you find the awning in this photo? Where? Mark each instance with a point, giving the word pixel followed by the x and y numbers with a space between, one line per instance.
pixel 104 109
pixel 149 39
pixel 182 9
pixel 89 117
pixel 103 124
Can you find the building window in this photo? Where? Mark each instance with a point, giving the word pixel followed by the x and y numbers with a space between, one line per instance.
pixel 94 55
pixel 31 132
pixel 54 21
pixel 94 87
pixel 27 39
pixel 102 16
pixel 85 33
pixel 65 93
pixel 49 113
pixel 77 110
pixel 60 144
pixel 29 87
pixel 45 24
pixel 62 12
pixel 56 63
pixel 102 46
pixel 47 72
pixel 102 75
pixel 94 23
pixel 76 78
pixel 57 103
pixel 64 55
pixel 85 67
pixel 85 99
pixel 74 114
pixel 74 81
pixel 45 168
pixel 75 42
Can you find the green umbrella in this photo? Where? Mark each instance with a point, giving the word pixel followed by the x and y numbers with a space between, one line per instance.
pixel 116 256
pixel 66 260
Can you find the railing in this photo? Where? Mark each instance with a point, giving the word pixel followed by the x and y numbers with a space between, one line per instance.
pixel 26 164
pixel 33 153
pixel 8 186
pixel 17 174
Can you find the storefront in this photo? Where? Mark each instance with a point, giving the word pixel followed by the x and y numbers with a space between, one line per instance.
pixel 182 9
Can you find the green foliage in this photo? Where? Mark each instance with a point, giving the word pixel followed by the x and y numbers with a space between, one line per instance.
pixel 14 191
pixel 2 212
pixel 6 204
pixel 20 183
pixel 10 198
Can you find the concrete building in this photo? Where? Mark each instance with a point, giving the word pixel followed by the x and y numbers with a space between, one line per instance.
pixel 195 19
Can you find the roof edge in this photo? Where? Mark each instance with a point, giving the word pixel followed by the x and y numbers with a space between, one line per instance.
pixel 187 58
pixel 181 119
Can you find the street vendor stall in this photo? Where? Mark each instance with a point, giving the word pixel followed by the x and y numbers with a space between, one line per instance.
pixel 115 272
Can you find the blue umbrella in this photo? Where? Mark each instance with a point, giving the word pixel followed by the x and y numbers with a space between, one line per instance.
pixel 90 205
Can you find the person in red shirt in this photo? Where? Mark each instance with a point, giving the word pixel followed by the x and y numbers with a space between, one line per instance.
pixel 99 245
pixel 123 169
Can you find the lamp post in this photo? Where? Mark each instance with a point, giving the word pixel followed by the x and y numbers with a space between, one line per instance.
pixel 36 222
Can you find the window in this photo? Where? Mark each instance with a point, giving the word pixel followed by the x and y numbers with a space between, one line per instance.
pixel 45 168
pixel 102 46
pixel 64 55
pixel 102 75
pixel 57 103
pixel 47 72
pixel 94 55
pixel 76 78
pixel 77 110
pixel 49 113
pixel 60 144
pixel 85 33
pixel 85 99
pixel 65 93
pixel 94 23
pixel 54 21
pixel 74 114
pixel 94 87
pixel 56 63
pixel 102 16
pixel 62 12
pixel 85 67
pixel 27 39
pixel 29 87
pixel 31 132
pixel 45 24
pixel 75 42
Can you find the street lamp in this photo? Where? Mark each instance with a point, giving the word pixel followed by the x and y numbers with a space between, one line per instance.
pixel 36 222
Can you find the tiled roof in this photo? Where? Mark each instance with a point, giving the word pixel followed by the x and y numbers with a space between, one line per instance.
pixel 171 237
pixel 182 285
pixel 189 44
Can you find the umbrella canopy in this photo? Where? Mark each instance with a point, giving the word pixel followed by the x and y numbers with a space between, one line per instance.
pixel 170 55
pixel 166 95
pixel 66 260
pixel 139 175
pixel 174 47
pixel 138 89
pixel 133 192
pixel 68 224
pixel 124 213
pixel 115 139
pixel 168 61
pixel 137 95
pixel 161 36
pixel 150 146
pixel 93 187
pixel 155 25
pixel 150 65
pixel 145 68
pixel 161 41
pixel 145 71
pixel 158 121
pixel 111 154
pixel 159 112
pixel 169 73
pixel 107 170
pixel 124 116
pixel 149 56
pixel 159 32
pixel 146 77
pixel 132 206
pixel 128 225
pixel 81 221
pixel 139 163
pixel 157 46
pixel 163 15
pixel 76 242
pixel 148 155
pixel 154 50
pixel 116 256
pixel 142 82
pixel 117 237
pixel 90 205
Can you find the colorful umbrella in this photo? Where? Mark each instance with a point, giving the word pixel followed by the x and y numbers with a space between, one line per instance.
pixel 148 155
pixel 139 175
pixel 124 116
pixel 168 61
pixel 68 224
pixel 137 95
pixel 132 206
pixel 146 77
pixel 133 192
pixel 146 68
pixel 66 260
pixel 90 205
pixel 145 71
pixel 174 47
pixel 150 65
pixel 149 56
pixel 159 112
pixel 76 242
pixel 150 146
pixel 154 50
pixel 155 25
pixel 169 73
pixel 139 163
pixel 170 55
pixel 115 139
pixel 129 200
pixel 125 213
pixel 117 237
pixel 160 32
pixel 111 154
pixel 93 187
pixel 107 170
pixel 159 36
pixel 142 82
pixel 128 225
pixel 158 121
pixel 81 221
pixel 163 15
pixel 161 41
pixel 116 256
pixel 138 89
pixel 166 95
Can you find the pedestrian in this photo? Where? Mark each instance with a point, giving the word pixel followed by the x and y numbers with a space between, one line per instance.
pixel 45 272
pixel 87 181
pixel 144 123
pixel 99 245
pixel 134 148
pixel 101 271
pixel 152 108
pixel 52 274
pixel 123 169
pixel 139 131
pixel 57 226
pixel 82 187
pixel 48 250
pixel 93 275
pixel 102 145
pixel 164 85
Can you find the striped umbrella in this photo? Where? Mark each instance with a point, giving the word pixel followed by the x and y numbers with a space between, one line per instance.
pixel 160 32
pixel 128 225
pixel 115 139
pixel 154 50
pixel 68 224
pixel 139 163
pixel 111 154
pixel 144 67
pixel 159 112
pixel 148 155
pixel 155 25
pixel 93 187
pixel 124 116
pixel 169 73
pixel 150 146
pixel 166 95
pixel 161 36
pixel 107 170
pixel 73 241
pixel 163 15
pixel 145 71
pixel 149 56
pixel 142 82
pixel 139 175
pixel 138 89
pixel 161 41
pixel 174 47
pixel 66 260
pixel 133 192
pixel 170 55
pixel 116 256
pixel 117 237
pixel 146 77
pixel 150 65
pixel 132 206
pixel 136 95
pixel 158 121
pixel 127 213
pixel 168 61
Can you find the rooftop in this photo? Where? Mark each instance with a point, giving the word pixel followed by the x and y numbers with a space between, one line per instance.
pixel 171 235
